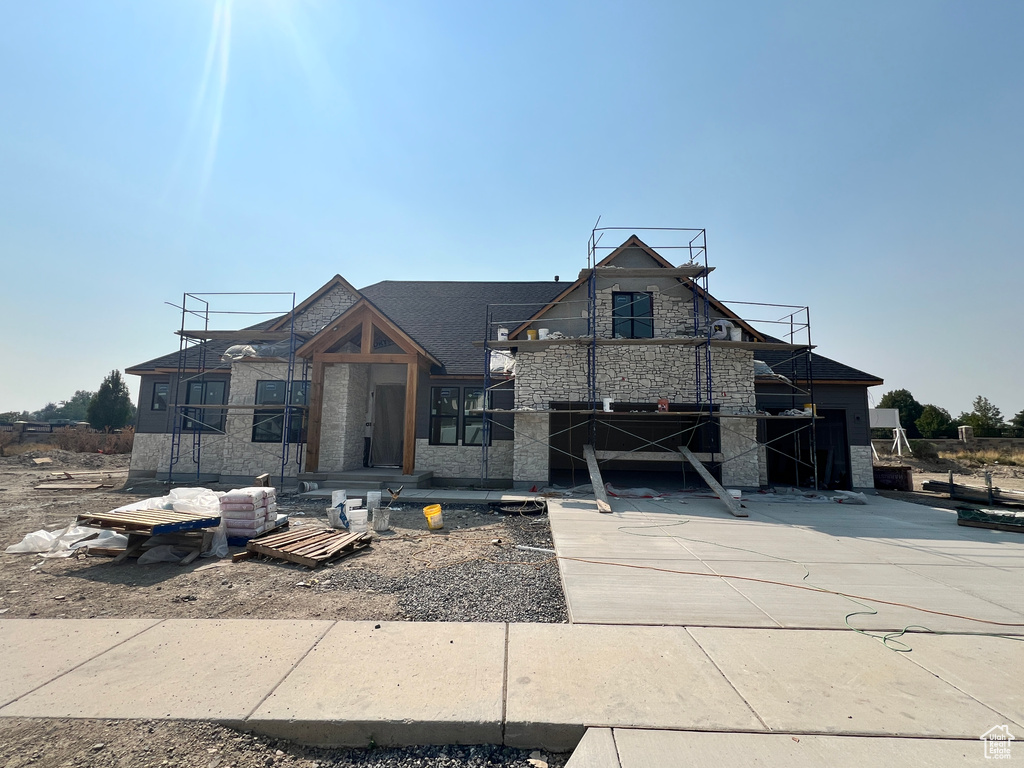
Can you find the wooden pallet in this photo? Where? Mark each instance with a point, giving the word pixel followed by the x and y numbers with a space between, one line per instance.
pixel 309 547
pixel 149 521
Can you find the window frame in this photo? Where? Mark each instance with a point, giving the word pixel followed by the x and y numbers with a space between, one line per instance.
pixel 633 319
pixel 438 420
pixel 269 425
pixel 468 420
pixel 153 404
pixel 207 419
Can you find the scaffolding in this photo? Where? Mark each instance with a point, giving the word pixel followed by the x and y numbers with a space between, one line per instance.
pixel 201 356
pixel 793 407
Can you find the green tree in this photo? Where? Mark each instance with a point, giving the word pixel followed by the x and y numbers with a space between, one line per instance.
pixel 985 418
pixel 1018 420
pixel 111 406
pixel 910 410
pixel 936 422
pixel 76 408
pixel 11 416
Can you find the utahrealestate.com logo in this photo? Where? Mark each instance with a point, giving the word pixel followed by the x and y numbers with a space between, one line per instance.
pixel 997 742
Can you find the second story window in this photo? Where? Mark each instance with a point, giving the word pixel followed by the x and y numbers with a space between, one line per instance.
pixel 632 315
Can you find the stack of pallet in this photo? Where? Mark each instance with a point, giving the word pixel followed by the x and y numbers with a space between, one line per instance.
pixel 248 512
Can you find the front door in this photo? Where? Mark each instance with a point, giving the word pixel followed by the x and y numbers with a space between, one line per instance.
pixel 388 425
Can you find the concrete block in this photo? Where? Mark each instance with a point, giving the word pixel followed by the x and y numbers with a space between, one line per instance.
pixel 393 683
pixel 839 683
pixel 180 669
pixel 563 679
pixel 37 651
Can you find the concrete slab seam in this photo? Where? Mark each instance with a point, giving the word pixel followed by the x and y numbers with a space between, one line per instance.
pixel 725 677
pixel 909 657
pixel 728 580
pixel 81 663
pixel 291 669
pixel 504 687
pixel 615 743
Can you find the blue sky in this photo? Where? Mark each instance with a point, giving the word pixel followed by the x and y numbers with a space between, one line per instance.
pixel 861 158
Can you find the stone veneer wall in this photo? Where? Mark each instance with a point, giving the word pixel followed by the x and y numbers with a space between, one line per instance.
pixel 329 306
pixel 673 315
pixel 241 456
pixel 862 473
pixel 633 373
pixel 343 421
pixel 463 461
pixel 151 452
pixel 531 453
pixel 741 466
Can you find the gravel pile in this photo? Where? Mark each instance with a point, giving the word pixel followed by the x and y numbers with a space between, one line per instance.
pixel 191 744
pixel 505 584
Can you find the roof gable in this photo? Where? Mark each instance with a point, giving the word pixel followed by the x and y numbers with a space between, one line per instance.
pixel 325 304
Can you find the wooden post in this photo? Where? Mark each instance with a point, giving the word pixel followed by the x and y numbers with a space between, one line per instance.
pixel 316 408
pixel 366 337
pixel 412 374
pixel 731 504
pixel 603 505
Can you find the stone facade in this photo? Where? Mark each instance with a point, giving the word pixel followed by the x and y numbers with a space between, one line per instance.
pixel 151 453
pixel 673 313
pixel 329 306
pixel 342 423
pixel 240 455
pixel 741 466
pixel 531 453
pixel 862 472
pixel 463 461
pixel 640 373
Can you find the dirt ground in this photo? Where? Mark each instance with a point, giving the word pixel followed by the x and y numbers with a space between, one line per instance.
pixel 90 587
pixel 409 566
pixel 1010 478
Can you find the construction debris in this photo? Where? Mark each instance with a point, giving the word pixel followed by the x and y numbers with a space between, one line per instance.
pixel 309 546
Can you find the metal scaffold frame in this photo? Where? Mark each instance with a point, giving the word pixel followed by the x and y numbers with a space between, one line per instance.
pixel 795 323
pixel 190 422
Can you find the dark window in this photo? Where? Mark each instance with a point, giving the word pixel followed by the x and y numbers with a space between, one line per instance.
pixel 159 401
pixel 205 393
pixel 444 415
pixel 632 315
pixel 472 418
pixel 268 426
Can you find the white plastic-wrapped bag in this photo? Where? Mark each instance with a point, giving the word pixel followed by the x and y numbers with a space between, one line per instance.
pixel 198 501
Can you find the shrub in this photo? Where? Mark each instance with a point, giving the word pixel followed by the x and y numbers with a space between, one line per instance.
pixel 88 441
pixel 922 449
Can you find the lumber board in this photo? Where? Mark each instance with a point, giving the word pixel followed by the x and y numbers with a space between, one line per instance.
pixel 152 521
pixel 603 505
pixel 70 486
pixel 311 548
pixel 992 526
pixel 723 495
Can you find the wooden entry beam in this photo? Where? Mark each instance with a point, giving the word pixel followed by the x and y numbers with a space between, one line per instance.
pixel 412 375
pixel 316 409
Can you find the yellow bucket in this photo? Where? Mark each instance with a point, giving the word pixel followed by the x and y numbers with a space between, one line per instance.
pixel 433 515
pixel 531 335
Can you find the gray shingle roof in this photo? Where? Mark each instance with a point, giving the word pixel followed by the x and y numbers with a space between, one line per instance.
pixel 446 317
pixel 794 366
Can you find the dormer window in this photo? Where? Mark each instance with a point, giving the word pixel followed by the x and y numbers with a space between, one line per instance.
pixel 632 315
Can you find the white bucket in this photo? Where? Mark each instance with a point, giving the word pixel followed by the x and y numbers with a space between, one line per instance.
pixel 542 333
pixel 608 404
pixel 503 334
pixel 372 500
pixel 338 498
pixel 736 493
pixel 352 504
pixel 381 520
pixel 357 520
pixel 307 485
pixel 735 333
